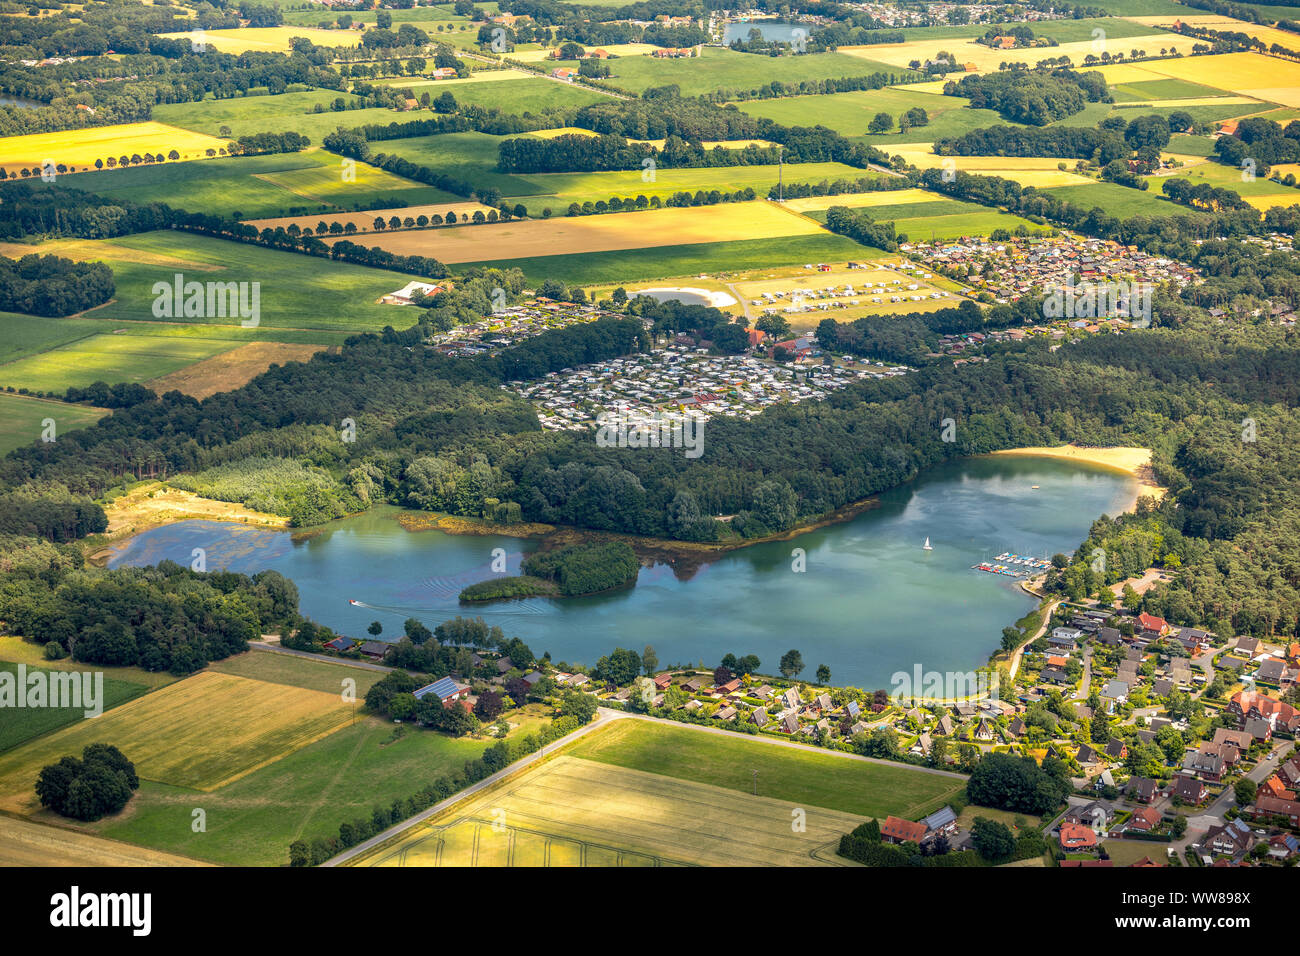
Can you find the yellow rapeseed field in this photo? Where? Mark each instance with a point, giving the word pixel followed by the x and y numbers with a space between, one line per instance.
pixel 79 148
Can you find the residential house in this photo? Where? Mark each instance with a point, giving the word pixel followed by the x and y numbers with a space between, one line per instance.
pixel 663 681
pixel 374 649
pixel 1017 727
pixel 984 731
pixel 1086 755
pixel 790 724
pixel 444 689
pixel 725 713
pixel 340 644
pixel 1189 789
pixel 693 705
pixel 1248 646
pixel 1115 692
pixel 1095 815
pixel 1109 636
pixel 693 685
pixel 1238 739
pixel 924 744
pixel 1143 820
pixel 1252 705
pixel 1206 762
pixel 1076 836
pixel 824 703
pixel 730 687
pixel 1149 622
pixel 790 698
pixel 1142 789
pixel 1266 806
pixel 1116 749
pixel 898 830
pixel 1233 839
pixel 944 727
pixel 1053 675
pixel 1162 687
pixel 759 717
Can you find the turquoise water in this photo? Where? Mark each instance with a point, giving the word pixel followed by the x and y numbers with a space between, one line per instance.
pixel 870 602
pixel 778 30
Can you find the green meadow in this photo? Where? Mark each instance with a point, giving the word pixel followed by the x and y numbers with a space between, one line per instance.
pixel 849 113
pixel 723 69
pixel 296 292
pixel 255 187
pixel 1120 201
pixel 108 357
pixel 557 190
pixel 246 115
pixel 21 418
pixel 663 262
pixel 518 96
pixel 24 723
pixel 468 156
pixel 22 335
pixel 803 777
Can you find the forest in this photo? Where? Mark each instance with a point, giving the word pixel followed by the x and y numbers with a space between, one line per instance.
pixel 1035 97
pixel 53 286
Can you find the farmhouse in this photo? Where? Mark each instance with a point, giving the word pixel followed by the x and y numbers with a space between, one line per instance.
pixel 444 689
pixel 898 830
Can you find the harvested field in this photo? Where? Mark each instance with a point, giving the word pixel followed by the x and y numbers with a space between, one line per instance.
pixel 572 812
pixel 230 370
pixel 988 58
pixel 202 733
pixel 615 231
pixel 24 843
pixel 267 39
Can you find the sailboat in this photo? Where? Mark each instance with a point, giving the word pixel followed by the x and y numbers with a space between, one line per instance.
pixel 926 546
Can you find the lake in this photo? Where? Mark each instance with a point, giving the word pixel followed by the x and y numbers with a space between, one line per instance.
pixel 777 30
pixel 870 602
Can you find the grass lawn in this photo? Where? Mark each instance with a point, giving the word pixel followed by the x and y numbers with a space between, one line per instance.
pixel 304 795
pixel 249 187
pixel 22 724
pixel 801 777
pixel 1128 852
pixel 21 417
pixel 1189 145
pixel 849 113
pixel 662 262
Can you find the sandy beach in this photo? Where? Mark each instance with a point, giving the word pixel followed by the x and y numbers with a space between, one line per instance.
pixel 1135 462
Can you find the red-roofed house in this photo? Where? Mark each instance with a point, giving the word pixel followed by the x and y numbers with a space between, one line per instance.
pixel 1144 820
pixel 1266 806
pixel 1150 622
pixel 898 830
pixel 1076 836
pixel 1251 705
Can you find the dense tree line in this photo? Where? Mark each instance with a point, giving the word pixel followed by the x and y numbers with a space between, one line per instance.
pixel 860 226
pixel 162 618
pixel 53 286
pixel 1035 97
pixel 1096 145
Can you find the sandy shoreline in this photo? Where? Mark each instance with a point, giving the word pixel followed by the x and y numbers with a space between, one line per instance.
pixel 1134 462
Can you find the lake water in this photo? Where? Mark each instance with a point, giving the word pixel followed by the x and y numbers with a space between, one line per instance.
pixel 870 602
pixel 778 30
pixel 7 99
